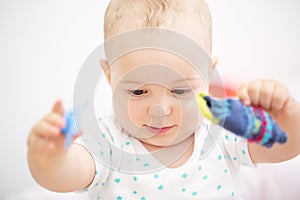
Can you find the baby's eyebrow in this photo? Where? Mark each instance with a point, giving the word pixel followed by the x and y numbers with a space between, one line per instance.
pixel 132 82
pixel 194 78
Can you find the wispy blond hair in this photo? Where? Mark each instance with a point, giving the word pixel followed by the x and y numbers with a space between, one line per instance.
pixel 155 13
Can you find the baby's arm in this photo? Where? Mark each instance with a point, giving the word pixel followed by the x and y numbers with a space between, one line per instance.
pixel 283 108
pixel 51 164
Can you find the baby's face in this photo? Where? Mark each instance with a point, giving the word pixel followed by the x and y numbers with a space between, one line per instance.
pixel 154 96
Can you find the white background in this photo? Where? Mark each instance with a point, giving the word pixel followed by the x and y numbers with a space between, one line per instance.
pixel 43 44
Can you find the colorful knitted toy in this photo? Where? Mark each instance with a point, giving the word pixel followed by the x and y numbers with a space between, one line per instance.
pixel 249 122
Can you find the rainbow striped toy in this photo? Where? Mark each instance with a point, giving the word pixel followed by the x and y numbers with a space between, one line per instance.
pixel 250 122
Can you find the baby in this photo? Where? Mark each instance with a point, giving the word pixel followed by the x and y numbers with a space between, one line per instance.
pixel 155 114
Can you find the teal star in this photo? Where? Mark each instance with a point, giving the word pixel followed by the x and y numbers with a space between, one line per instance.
pixel 194 193
pixel 202 152
pixel 134 192
pixel 143 198
pixel 119 198
pixel 244 152
pixel 117 180
pixel 219 157
pixel 184 175
pixel 160 187
pixel 135 178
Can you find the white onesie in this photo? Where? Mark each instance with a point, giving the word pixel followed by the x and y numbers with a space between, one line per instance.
pixel 210 177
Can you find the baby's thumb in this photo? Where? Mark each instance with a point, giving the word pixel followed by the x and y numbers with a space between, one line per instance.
pixel 58 107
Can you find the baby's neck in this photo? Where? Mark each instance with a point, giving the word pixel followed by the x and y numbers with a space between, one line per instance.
pixel 177 154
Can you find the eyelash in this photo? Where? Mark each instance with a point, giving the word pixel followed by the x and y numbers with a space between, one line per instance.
pixel 181 92
pixel 178 92
pixel 133 92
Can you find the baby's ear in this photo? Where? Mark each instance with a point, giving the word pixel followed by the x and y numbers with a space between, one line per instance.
pixel 105 68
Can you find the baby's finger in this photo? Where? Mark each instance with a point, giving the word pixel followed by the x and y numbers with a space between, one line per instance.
pixel 58 107
pixel 37 143
pixel 55 119
pixel 254 91
pixel 43 144
pixel 280 96
pixel 45 129
pixel 266 94
pixel 243 94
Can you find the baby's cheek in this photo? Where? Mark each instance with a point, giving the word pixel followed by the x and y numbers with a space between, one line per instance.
pixel 137 113
pixel 190 115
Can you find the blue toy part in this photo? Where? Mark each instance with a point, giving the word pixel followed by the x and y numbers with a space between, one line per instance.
pixel 70 129
pixel 250 122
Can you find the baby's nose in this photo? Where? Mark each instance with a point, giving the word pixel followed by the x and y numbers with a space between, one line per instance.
pixel 159 110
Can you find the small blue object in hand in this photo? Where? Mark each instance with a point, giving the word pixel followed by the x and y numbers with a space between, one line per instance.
pixel 70 129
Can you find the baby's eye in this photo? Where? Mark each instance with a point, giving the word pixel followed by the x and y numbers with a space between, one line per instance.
pixel 137 92
pixel 181 91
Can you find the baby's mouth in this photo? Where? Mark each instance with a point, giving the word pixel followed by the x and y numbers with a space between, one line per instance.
pixel 156 130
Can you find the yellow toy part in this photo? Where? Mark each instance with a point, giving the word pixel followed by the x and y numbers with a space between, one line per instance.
pixel 204 109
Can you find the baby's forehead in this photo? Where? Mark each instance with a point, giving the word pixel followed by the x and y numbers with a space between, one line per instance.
pixel 157 43
pixel 156 46
pixel 156 66
pixel 150 57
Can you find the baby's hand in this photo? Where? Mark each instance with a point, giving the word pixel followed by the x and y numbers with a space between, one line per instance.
pixel 250 122
pixel 275 98
pixel 46 139
pixel 270 95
